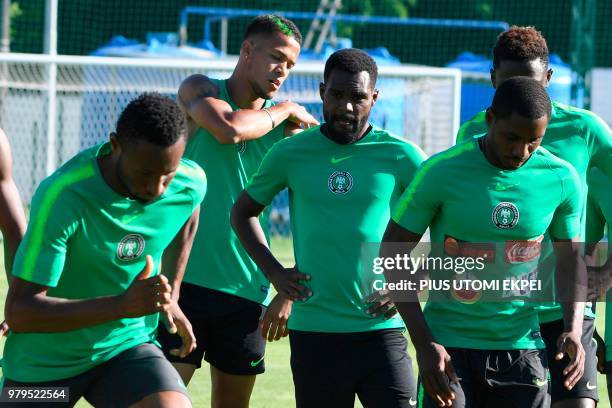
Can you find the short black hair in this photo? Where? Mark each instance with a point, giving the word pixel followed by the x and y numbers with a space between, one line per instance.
pixel 152 118
pixel 272 23
pixel 521 95
pixel 520 44
pixel 353 61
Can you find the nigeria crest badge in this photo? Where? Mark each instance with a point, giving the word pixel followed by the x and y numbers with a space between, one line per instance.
pixel 340 182
pixel 505 215
pixel 130 247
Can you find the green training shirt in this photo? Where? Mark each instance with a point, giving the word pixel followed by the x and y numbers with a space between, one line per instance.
pixel 599 213
pixel 340 198
pixel 85 240
pixel 575 135
pixel 218 261
pixel 464 199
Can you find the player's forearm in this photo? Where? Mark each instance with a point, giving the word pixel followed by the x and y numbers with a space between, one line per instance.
pixel 176 256
pixel 572 288
pixel 573 315
pixel 46 314
pixel 419 331
pixel 12 222
pixel 249 124
pixel 571 282
pixel 251 235
pixel 10 249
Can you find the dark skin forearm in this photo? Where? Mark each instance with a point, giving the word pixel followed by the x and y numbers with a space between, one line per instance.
pixel 27 311
pixel 246 225
pixel 176 256
pixel 435 364
pixel 410 310
pixel 571 283
pixel 245 222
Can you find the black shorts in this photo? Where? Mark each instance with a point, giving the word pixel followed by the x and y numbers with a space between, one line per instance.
pixel 330 368
pixel 496 378
pixel 226 328
pixel 587 385
pixel 119 382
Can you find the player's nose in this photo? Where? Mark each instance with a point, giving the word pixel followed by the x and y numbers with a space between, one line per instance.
pixel 521 151
pixel 155 189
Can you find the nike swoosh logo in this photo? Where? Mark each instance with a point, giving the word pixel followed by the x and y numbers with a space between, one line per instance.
pixel 412 402
pixel 256 363
pixel 540 383
pixel 129 218
pixel 336 161
pixel 501 187
pixel 589 386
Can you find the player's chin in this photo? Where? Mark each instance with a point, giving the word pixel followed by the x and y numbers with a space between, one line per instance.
pixel 271 94
pixel 514 164
pixel 145 198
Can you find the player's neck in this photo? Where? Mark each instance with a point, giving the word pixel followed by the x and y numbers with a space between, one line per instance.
pixel 488 152
pixel 240 92
pixel 110 173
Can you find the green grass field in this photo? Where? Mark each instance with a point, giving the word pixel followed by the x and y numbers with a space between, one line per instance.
pixel 275 387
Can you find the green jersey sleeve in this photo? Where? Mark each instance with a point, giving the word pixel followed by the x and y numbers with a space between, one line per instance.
pixel 566 220
pixel 271 177
pixel 475 126
pixel 420 202
pixel 198 181
pixel 410 161
pixel 41 256
pixel 599 139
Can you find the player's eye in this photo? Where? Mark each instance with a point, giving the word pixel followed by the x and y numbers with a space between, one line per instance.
pixel 536 141
pixel 512 138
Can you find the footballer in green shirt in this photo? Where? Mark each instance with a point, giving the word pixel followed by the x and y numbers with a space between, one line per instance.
pixel 232 124
pixel 343 178
pixel 599 224
pixel 489 190
pixel 582 139
pixel 87 289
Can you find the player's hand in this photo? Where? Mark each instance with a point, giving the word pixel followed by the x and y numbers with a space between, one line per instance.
pixel 145 295
pixel 569 343
pixel 274 322
pixel 4 328
pixel 601 353
pixel 300 116
pixel 176 322
pixel 286 281
pixel 292 129
pixel 381 304
pixel 437 373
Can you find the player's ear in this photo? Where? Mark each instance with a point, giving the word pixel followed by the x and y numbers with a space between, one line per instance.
pixel 492 72
pixel 246 49
pixel 374 96
pixel 322 91
pixel 549 75
pixel 115 145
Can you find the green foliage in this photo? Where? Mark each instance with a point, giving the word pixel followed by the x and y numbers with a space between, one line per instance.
pixel 14 13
